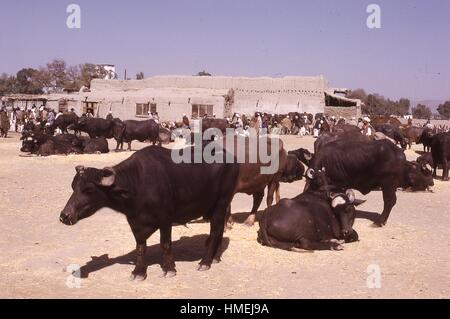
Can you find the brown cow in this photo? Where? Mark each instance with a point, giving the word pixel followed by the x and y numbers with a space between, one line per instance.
pixel 253 181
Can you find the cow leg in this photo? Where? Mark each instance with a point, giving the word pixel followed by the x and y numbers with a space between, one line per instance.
pixel 229 222
pixel 274 187
pixel 390 199
pixel 257 199
pixel 332 244
pixel 129 146
pixel 141 235
pixel 215 238
pixel 445 169
pixel 168 264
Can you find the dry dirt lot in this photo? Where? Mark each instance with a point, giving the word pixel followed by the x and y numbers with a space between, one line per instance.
pixel 412 251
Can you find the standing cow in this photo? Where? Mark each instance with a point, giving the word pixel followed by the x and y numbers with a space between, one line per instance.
pixel 368 166
pixel 150 189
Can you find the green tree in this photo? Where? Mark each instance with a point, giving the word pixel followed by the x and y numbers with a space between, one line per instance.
pixel 422 112
pixel 444 110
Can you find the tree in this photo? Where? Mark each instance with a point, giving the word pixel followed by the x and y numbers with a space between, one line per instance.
pixel 444 110
pixel 26 82
pixel 359 94
pixel 402 107
pixel 422 112
pixel 91 71
pixel 57 74
pixel 140 76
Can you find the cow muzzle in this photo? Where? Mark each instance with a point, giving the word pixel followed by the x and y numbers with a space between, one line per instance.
pixel 66 219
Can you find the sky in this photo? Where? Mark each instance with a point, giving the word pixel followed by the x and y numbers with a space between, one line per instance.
pixel 409 56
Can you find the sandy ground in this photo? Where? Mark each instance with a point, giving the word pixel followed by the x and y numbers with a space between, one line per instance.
pixel 412 252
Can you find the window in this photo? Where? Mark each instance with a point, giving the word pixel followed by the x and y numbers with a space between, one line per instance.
pixel 200 110
pixel 142 109
pixel 90 106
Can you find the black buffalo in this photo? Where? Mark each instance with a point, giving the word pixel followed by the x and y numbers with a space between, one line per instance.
pixel 64 121
pixel 392 132
pixel 92 145
pixel 368 166
pixel 154 192
pixel 426 138
pixel 303 155
pixel 95 127
pixel 440 150
pixel 129 131
pixel 46 145
pixel 314 220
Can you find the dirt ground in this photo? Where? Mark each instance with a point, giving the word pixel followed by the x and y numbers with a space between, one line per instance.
pixel 412 251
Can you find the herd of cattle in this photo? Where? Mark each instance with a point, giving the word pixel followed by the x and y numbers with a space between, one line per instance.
pixel 151 190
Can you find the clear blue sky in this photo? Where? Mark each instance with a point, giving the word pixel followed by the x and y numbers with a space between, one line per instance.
pixel 409 56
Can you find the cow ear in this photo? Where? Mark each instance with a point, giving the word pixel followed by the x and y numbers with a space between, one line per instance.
pixel 80 169
pixel 338 201
pixel 108 177
pixel 351 195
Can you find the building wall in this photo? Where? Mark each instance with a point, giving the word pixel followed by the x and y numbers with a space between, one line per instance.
pixel 345 112
pixel 271 95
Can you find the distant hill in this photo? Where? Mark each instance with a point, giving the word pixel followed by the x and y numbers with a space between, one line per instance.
pixel 432 104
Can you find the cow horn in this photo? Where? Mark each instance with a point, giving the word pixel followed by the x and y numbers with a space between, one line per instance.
pixel 110 177
pixel 351 195
pixel 310 173
pixel 80 169
pixel 338 201
pixel 428 167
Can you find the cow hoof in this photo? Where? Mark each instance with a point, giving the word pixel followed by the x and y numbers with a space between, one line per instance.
pixel 170 274
pixel 216 260
pixel 446 179
pixel 337 247
pixel 378 225
pixel 134 277
pixel 204 268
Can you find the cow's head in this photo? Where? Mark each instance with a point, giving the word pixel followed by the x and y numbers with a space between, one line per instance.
pixel 343 205
pixel 90 193
pixel 316 180
pixel 418 177
pixel 29 144
pixel 303 155
pixel 293 170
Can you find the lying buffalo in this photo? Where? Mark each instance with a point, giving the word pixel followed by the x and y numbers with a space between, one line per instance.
pixel 154 192
pixel 314 220
pixel 368 166
pixel 45 145
pixel 129 131
pixel 93 145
